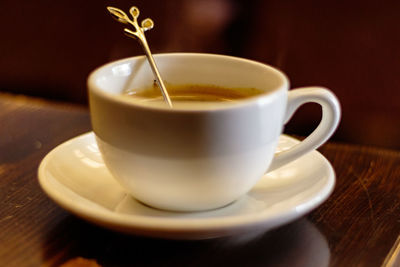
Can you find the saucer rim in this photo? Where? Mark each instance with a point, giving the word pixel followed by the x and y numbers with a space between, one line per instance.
pixel 165 227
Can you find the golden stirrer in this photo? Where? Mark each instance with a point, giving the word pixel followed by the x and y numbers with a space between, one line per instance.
pixel 138 34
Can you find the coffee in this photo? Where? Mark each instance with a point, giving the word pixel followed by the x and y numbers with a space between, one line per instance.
pixel 194 94
pixel 200 157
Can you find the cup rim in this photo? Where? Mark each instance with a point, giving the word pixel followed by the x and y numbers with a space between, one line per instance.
pixel 265 97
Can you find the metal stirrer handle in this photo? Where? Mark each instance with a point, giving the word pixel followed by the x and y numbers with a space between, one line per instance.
pixel 138 34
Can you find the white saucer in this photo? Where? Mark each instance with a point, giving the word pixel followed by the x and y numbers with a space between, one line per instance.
pixel 74 176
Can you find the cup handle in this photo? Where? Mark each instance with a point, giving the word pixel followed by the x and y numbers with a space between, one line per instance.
pixel 330 120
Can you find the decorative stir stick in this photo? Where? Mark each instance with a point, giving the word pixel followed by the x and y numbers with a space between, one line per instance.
pixel 138 34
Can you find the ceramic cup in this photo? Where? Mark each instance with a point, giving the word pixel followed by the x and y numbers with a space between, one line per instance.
pixel 198 157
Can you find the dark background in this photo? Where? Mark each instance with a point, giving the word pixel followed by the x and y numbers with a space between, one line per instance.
pixel 48 48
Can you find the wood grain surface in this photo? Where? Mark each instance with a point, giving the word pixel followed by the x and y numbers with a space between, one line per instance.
pixel 358 225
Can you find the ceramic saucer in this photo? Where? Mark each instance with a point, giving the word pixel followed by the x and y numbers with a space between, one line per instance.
pixel 75 177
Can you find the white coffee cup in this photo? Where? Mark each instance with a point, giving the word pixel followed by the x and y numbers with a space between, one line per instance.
pixel 198 157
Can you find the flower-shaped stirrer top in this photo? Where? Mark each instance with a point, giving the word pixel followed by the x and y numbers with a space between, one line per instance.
pixel 138 34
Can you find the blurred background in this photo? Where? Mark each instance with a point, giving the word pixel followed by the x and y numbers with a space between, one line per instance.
pixel 48 48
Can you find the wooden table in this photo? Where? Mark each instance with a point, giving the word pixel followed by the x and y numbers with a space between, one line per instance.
pixel 359 225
